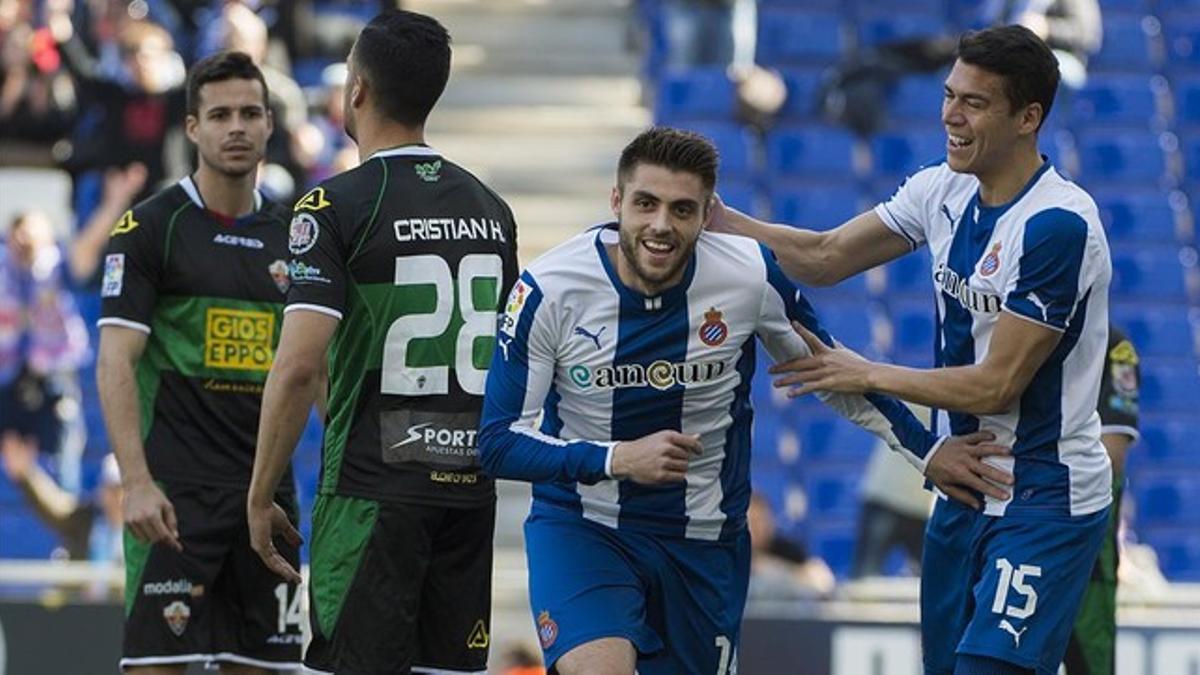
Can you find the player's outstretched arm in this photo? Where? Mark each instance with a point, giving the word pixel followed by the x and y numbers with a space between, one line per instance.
pixel 817 258
pixel 148 513
pixel 1017 350
pixel 292 387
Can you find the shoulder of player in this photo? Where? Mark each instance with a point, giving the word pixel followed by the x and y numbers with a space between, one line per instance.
pixel 458 170
pixel 274 210
pixel 345 192
pixel 567 266
pixel 157 209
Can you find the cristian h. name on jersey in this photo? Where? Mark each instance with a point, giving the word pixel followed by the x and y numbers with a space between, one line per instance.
pixel 412 254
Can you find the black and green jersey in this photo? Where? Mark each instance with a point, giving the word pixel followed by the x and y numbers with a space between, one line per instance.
pixel 210 295
pixel 412 254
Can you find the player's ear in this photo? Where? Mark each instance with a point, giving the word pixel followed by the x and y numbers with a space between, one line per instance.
pixel 358 91
pixel 615 201
pixel 189 127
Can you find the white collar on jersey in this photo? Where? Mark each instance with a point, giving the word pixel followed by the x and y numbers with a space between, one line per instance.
pixel 406 151
pixel 193 192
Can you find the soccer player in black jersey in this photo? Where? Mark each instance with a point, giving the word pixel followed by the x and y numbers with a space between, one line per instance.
pixel 193 289
pixel 398 269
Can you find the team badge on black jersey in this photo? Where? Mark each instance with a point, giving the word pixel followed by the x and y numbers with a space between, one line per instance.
pixel 303 233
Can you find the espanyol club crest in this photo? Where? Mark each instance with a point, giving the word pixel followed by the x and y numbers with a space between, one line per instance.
pixel 547 629
pixel 176 615
pixel 991 262
pixel 713 331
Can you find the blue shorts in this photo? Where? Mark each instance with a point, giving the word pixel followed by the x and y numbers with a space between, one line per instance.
pixel 1004 587
pixel 679 601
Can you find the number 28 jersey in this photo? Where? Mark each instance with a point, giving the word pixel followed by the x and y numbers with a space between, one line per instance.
pixel 411 253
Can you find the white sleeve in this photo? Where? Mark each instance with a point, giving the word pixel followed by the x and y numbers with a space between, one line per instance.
pixel 907 211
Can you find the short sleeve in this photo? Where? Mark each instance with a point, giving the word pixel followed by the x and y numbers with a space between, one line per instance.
pixel 905 212
pixel 1047 286
pixel 133 265
pixel 319 255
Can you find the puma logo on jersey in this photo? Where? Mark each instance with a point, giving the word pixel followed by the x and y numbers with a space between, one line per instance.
pixel 594 337
pixel 1008 628
pixel 949 218
pixel 1037 302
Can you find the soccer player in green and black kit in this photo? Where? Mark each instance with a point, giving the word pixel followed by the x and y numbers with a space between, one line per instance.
pixel 1092 649
pixel 194 283
pixel 398 268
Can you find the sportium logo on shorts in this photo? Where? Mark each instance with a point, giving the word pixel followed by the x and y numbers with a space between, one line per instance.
pixel 237 339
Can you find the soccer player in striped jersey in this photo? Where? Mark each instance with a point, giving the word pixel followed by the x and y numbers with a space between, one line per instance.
pixel 634 343
pixel 1021 272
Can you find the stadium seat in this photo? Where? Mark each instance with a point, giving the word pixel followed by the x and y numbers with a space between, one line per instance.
pixel 1140 216
pixel 847 322
pixel 913 332
pixel 792 36
pixel 1167 442
pixel 1128 44
pixel 1186 87
pixel 901 152
pixel 833 440
pixel 735 143
pixel 814 206
pixel 1182 36
pixel 1118 7
pixel 803 85
pixel 814 151
pixel 878 27
pixel 1178 550
pixel 832 540
pixel 1191 158
pixel 740 193
pixel 23 536
pixel 694 95
pixel 910 276
pixel 1147 273
pixel 1129 100
pixel 1162 331
pixel 1167 497
pixel 917 99
pixel 832 489
pixel 1170 386
pixel 1129 157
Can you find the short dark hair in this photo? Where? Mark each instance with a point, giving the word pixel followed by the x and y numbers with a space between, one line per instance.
pixel 219 67
pixel 405 57
pixel 1029 68
pixel 674 149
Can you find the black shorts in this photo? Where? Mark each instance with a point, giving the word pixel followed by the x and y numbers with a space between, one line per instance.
pixel 399 588
pixel 216 601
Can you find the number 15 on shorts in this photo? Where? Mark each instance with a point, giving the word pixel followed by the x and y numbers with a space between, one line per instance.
pixel 1014 579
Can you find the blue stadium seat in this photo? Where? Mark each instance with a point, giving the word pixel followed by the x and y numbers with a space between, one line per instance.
pixel 1187 97
pixel 1127 44
pixel 911 276
pixel 1130 100
pixel 1170 386
pixel 1162 331
pixel 1130 157
pixel 847 322
pixel 694 95
pixel 901 152
pixel 917 99
pixel 803 85
pixel 1167 442
pixel 833 489
pixel 833 440
pixel 735 143
pixel 23 536
pixel 913 332
pixel 878 27
pixel 814 206
pixel 1167 497
pixel 740 193
pixel 1148 273
pixel 1182 37
pixel 790 36
pixel 1139 216
pixel 1178 550
pixel 832 540
pixel 823 152
pixel 1123 7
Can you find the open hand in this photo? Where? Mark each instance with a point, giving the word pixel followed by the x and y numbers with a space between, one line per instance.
pixel 834 369
pixel 264 523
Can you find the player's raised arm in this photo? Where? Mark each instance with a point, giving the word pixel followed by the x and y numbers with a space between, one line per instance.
pixel 818 258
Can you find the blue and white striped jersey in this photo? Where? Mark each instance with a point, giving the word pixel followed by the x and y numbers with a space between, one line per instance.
pixel 1044 258
pixel 599 363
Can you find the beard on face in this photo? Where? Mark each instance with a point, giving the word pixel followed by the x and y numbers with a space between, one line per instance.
pixel 628 242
